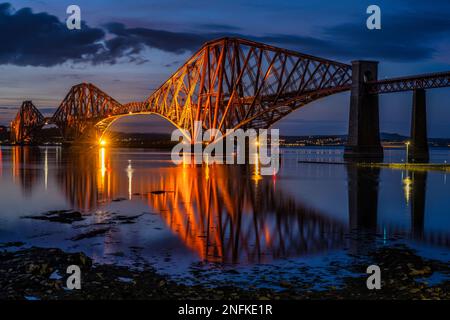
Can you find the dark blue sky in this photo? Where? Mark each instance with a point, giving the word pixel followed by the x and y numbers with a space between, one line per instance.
pixel 128 48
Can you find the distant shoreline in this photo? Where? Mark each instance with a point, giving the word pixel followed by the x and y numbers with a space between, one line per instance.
pixel 137 146
pixel 163 140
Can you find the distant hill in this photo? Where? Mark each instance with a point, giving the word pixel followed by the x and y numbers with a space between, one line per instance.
pixel 138 136
pixel 386 137
pixel 140 140
pixel 393 137
pixel 163 139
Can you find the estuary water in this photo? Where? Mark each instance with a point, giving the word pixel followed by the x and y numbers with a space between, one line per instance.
pixel 222 223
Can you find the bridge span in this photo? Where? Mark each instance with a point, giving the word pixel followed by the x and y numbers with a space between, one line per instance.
pixel 233 83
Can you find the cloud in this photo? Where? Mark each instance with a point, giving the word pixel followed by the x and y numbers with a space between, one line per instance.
pixel 404 37
pixel 217 27
pixel 40 39
pixel 135 39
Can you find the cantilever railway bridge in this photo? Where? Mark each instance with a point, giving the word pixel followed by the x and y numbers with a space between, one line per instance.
pixel 234 83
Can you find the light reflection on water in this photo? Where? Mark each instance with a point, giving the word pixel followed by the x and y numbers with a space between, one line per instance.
pixel 219 214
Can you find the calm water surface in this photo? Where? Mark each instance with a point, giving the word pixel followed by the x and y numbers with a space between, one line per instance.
pixel 225 222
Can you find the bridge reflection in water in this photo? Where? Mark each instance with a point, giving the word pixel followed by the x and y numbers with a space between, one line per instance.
pixel 224 213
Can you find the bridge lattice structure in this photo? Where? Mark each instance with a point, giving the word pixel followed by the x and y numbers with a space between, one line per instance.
pixel 229 83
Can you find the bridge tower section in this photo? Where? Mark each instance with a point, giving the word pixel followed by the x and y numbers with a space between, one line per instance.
pixel 419 145
pixel 364 129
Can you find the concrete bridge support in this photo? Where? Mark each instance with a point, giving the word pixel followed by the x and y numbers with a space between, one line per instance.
pixel 364 131
pixel 419 139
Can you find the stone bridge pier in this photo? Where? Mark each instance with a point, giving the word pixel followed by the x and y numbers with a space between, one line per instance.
pixel 364 130
pixel 419 139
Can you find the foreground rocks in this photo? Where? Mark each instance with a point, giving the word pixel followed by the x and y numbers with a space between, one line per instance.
pixel 61 216
pixel 40 274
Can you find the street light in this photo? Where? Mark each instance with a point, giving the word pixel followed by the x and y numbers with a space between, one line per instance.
pixel 407 150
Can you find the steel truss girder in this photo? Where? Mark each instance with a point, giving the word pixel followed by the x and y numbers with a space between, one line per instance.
pixel 231 83
pixel 425 81
pixel 27 120
pixel 82 108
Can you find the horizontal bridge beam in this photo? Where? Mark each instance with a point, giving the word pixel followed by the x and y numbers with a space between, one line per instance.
pixel 424 81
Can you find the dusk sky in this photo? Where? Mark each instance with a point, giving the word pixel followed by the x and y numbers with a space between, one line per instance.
pixel 128 48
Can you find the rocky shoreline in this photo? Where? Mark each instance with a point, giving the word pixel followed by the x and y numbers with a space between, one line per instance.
pixel 39 274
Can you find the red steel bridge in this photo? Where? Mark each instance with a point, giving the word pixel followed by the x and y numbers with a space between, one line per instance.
pixel 234 83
